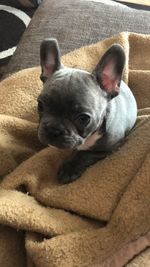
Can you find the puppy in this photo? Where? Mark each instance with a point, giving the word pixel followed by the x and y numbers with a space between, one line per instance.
pixel 88 112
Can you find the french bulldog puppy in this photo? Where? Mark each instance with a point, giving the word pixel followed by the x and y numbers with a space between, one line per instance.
pixel 88 112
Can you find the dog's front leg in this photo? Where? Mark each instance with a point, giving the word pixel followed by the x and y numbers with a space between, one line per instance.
pixel 73 168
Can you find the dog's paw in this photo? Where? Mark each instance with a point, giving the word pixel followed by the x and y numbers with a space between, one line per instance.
pixel 68 173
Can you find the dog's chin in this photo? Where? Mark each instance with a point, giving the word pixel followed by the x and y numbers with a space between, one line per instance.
pixel 69 143
pixel 63 146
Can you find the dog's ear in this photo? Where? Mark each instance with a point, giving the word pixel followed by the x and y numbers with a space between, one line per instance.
pixel 49 58
pixel 109 70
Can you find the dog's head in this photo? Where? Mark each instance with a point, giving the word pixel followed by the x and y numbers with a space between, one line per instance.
pixel 73 102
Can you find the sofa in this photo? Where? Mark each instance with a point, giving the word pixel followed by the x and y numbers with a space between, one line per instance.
pixel 75 23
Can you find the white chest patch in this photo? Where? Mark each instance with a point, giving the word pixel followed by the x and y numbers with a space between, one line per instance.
pixel 90 141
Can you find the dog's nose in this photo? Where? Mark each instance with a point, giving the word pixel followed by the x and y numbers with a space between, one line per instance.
pixel 55 131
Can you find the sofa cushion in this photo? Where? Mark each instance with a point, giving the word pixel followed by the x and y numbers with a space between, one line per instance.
pixel 75 23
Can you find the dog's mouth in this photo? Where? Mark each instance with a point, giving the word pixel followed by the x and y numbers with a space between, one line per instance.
pixel 65 144
pixel 61 142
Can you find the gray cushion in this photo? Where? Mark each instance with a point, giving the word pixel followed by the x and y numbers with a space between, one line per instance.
pixel 75 23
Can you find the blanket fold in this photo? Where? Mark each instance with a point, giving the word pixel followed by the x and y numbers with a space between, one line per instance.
pixel 103 218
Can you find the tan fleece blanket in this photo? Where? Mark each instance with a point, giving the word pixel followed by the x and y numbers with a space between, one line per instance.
pixel 103 218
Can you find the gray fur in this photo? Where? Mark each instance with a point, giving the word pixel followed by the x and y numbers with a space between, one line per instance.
pixel 71 96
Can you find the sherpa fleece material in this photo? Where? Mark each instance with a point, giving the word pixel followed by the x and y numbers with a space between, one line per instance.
pixel 45 224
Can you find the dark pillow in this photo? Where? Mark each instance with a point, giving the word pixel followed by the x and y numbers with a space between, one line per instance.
pixel 29 3
pixel 15 16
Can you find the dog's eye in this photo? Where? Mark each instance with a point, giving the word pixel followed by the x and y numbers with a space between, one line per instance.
pixel 83 119
pixel 40 106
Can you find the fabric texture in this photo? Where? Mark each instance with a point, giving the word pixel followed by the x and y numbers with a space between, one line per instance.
pixel 103 218
pixel 75 24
